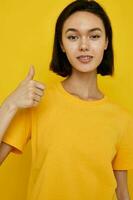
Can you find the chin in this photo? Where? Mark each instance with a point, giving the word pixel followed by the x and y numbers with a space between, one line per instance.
pixel 85 69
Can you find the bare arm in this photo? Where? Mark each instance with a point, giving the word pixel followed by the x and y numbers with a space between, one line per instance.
pixel 5 149
pixel 122 185
pixel 7 112
pixel 27 94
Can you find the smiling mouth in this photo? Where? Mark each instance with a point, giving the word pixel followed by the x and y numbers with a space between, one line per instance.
pixel 85 58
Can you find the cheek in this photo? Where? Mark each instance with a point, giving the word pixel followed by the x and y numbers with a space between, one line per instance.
pixel 98 48
pixel 71 52
pixel 70 46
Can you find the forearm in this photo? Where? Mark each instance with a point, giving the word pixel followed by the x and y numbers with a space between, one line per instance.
pixel 123 195
pixel 7 113
pixel 121 198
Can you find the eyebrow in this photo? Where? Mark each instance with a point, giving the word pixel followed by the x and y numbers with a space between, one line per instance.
pixel 91 30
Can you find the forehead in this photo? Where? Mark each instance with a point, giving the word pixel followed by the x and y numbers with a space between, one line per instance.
pixel 82 20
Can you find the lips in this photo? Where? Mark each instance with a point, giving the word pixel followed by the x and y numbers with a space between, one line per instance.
pixel 85 58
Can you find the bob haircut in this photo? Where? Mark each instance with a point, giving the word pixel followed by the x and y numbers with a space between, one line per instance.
pixel 59 63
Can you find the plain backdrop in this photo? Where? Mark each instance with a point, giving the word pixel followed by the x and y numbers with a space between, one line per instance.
pixel 26 37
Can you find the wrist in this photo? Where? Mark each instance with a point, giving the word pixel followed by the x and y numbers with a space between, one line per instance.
pixel 9 106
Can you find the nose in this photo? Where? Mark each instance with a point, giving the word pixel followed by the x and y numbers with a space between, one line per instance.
pixel 84 46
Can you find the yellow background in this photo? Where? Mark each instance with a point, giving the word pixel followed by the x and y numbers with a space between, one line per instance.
pixel 26 37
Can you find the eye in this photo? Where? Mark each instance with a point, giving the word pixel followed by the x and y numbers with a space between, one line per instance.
pixel 72 37
pixel 95 36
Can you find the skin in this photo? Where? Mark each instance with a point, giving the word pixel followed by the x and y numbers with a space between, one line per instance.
pixel 27 94
pixel 82 41
pixel 122 192
pixel 78 39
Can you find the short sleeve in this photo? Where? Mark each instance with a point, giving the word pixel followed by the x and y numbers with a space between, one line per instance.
pixel 124 157
pixel 19 131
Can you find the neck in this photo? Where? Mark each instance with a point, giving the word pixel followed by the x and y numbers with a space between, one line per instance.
pixel 83 85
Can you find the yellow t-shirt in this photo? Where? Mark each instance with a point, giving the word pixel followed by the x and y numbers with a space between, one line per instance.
pixel 76 145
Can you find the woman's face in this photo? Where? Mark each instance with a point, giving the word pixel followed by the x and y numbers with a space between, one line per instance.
pixel 84 41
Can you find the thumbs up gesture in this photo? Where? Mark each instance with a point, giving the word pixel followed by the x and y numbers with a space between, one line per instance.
pixel 28 93
pixel 30 74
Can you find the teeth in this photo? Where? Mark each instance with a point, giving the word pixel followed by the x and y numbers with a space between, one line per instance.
pixel 85 58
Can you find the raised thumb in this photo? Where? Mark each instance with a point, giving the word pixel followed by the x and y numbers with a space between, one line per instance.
pixel 30 74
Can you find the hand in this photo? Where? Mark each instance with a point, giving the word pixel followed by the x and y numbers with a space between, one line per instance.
pixel 28 93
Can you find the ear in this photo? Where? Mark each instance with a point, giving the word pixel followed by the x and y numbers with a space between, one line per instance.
pixel 61 45
pixel 106 44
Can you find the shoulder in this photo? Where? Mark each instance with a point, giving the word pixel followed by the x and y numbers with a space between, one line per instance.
pixel 120 110
pixel 50 88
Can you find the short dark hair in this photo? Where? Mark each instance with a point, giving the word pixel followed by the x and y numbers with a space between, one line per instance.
pixel 59 63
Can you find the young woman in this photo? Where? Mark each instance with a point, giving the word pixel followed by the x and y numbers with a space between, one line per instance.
pixel 82 142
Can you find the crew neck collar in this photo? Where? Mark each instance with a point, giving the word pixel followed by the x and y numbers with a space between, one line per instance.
pixel 78 100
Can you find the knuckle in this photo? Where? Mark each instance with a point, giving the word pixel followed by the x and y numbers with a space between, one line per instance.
pixel 42 86
pixel 37 97
pixel 41 93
